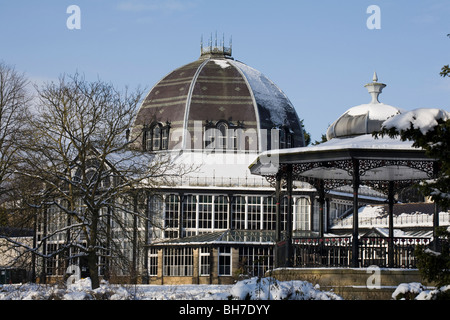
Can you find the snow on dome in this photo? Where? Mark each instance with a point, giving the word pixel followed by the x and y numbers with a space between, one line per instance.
pixel 378 111
pixel 423 119
pixel 364 118
pixel 222 63
pixel 266 93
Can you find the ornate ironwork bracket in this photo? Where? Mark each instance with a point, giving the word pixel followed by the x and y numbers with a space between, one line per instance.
pixel 426 166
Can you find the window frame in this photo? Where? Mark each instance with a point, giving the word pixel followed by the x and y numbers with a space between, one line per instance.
pixel 225 261
pixel 156 137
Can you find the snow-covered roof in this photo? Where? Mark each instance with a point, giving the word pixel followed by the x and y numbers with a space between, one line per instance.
pixel 337 149
pixel 364 118
pixel 423 119
pixel 376 216
pixel 255 237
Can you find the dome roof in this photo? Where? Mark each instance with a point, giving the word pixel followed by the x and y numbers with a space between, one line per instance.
pixel 364 118
pixel 219 92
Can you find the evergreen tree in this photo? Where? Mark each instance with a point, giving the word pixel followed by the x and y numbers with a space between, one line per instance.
pixel 435 266
pixel 436 143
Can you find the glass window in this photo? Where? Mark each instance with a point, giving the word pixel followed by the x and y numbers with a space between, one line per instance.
pixel 222 130
pixel 178 262
pixel 165 138
pixel 316 215
pixel 147 140
pixel 255 261
pixel 190 215
pixel 205 254
pixel 220 212
pixel 205 206
pixel 153 262
pixel 254 212
pixel 224 261
pixel 171 214
pixel 270 213
pixel 155 216
pixel 239 212
pixel 303 213
pixel 156 137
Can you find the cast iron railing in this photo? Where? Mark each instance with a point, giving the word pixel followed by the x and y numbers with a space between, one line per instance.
pixel 337 251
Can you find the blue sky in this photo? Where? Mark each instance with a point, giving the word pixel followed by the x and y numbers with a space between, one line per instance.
pixel 320 53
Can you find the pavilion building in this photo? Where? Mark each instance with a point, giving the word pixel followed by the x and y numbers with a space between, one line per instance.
pixel 220 221
pixel 227 217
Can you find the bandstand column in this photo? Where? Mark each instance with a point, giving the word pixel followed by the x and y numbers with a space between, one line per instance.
pixel 355 233
pixel 321 200
pixel 289 246
pixel 278 206
pixel 435 227
pixel 391 224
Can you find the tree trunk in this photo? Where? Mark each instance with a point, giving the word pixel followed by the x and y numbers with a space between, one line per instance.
pixel 93 272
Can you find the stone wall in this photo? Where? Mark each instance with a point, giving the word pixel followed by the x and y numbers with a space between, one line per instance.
pixel 371 283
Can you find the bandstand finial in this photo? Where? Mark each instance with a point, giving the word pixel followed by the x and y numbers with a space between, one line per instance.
pixel 375 77
pixel 375 88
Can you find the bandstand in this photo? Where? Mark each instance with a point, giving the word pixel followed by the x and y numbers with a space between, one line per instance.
pixel 352 156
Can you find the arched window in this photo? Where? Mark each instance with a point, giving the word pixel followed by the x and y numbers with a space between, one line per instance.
pixel 222 135
pixel 156 137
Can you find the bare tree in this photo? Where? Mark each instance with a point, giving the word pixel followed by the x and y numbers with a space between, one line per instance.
pixel 80 151
pixel 14 99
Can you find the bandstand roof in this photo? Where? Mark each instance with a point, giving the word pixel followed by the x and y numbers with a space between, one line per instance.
pixel 352 146
pixel 381 159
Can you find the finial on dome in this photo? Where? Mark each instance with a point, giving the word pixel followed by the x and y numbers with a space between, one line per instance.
pixel 216 48
pixel 375 77
pixel 375 88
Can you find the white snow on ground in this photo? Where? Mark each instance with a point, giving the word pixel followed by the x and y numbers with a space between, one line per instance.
pixel 249 289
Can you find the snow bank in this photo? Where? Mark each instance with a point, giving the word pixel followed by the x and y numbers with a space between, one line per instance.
pixel 272 289
pixel 248 289
pixel 416 291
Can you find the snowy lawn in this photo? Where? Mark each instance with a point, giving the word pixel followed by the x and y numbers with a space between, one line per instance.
pixel 250 289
